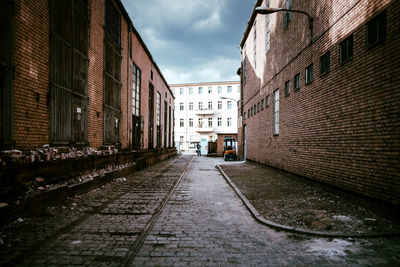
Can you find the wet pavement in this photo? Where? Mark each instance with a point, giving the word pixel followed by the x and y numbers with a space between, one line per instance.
pixel 202 223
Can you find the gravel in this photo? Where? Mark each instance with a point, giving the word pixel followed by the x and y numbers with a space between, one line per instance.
pixel 298 202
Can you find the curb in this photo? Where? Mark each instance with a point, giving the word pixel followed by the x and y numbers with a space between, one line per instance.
pixel 261 219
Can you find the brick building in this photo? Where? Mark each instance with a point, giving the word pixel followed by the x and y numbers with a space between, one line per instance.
pixel 324 101
pixel 78 73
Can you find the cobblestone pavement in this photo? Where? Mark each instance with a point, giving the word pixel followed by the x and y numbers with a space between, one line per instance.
pixel 101 227
pixel 203 224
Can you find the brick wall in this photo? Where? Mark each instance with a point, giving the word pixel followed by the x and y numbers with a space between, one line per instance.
pixel 343 128
pixel 31 80
pixel 95 74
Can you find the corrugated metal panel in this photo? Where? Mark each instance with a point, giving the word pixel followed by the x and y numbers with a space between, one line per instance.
pixel 69 71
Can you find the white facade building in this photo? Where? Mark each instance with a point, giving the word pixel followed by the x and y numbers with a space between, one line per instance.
pixel 204 110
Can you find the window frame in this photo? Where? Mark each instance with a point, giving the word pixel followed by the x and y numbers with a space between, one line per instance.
pixel 325 63
pixel 309 74
pixel 296 82
pixel 346 49
pixel 287 88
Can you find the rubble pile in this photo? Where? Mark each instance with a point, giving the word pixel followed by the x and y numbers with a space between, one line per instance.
pixel 40 184
pixel 48 153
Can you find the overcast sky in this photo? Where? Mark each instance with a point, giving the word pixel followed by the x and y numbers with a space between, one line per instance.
pixel 192 40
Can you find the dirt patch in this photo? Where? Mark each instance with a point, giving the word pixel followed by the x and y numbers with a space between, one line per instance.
pixel 298 202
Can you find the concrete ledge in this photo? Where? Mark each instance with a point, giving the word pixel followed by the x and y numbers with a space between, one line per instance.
pixel 286 228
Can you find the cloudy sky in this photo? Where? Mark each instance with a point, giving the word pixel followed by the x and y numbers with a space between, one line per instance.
pixel 192 40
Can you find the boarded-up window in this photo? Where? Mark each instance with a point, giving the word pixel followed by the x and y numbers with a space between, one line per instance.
pixel 112 74
pixel 6 70
pixel 69 71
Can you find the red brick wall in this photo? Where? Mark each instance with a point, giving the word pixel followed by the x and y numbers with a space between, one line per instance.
pixel 95 74
pixel 343 128
pixel 31 82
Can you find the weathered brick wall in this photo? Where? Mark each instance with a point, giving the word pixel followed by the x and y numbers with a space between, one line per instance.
pixel 343 128
pixel 31 80
pixel 95 74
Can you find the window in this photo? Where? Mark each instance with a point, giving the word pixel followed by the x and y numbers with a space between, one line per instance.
pixel 210 122
pixel 251 111
pixel 244 115
pixel 173 91
pixel 219 104
pixel 190 90
pixel 229 89
pixel 200 122
pixel 219 121
pixel 219 89
pixel 254 109
pixel 287 88
pixel 238 89
pixel 158 119
pixel 276 112
pixel 376 29
pixel 267 101
pixel 209 105
pixel 151 75
pixel 229 104
pixel 267 30
pixel 200 105
pixel 181 106
pixel 325 63
pixel 262 104
pixel 258 107
pixel 255 44
pixel 181 139
pixel 346 49
pixel 210 90
pixel 309 73
pixel 190 105
pixel 200 90
pixel 248 113
pixel 229 122
pixel 296 82
pixel 288 15
pixel 136 86
pixel 181 91
pixel 181 122
pixel 191 122
pixel 244 69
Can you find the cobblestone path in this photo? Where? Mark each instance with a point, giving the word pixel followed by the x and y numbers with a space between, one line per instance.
pixel 202 224
pixel 205 224
pixel 102 227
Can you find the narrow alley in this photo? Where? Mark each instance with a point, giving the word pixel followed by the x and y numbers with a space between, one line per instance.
pixel 180 212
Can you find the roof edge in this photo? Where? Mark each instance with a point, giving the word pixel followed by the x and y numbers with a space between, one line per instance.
pixel 250 23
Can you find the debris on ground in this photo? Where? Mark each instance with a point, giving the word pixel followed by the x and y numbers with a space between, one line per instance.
pixel 297 202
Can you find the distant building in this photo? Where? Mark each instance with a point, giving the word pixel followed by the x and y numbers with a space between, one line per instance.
pixel 324 102
pixel 205 112
pixel 78 73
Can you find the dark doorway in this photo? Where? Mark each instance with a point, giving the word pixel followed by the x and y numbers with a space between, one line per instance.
pixel 6 73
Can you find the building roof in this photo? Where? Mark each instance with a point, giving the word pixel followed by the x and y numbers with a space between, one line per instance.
pixel 131 26
pixel 203 83
pixel 250 23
